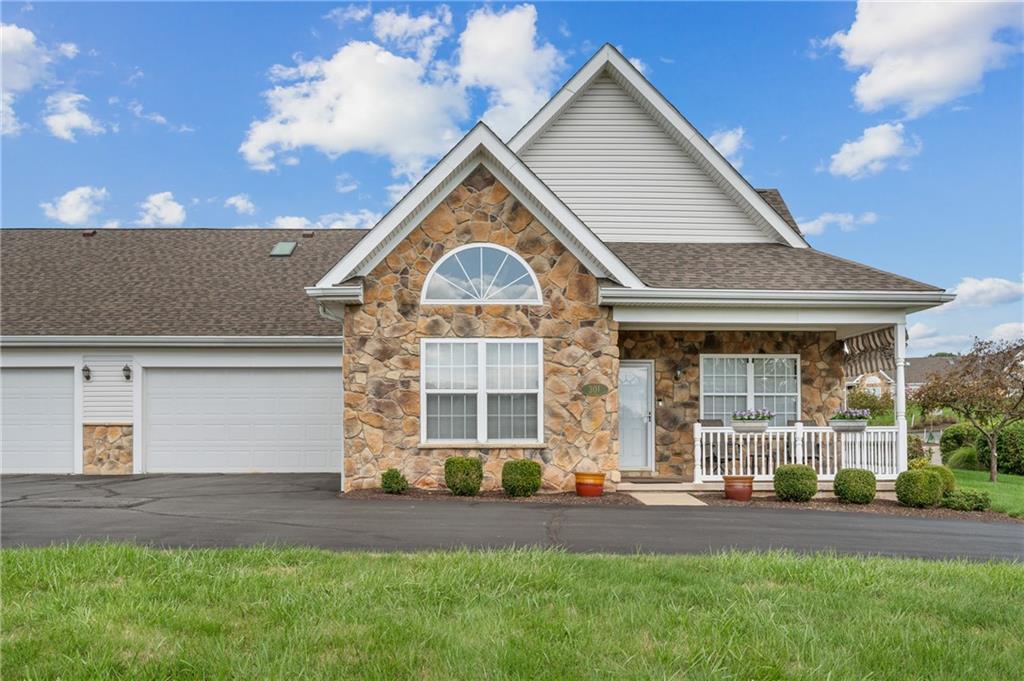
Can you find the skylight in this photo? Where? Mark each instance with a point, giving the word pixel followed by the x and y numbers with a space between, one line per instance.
pixel 282 249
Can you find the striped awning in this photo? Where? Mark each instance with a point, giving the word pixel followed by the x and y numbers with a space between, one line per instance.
pixel 868 352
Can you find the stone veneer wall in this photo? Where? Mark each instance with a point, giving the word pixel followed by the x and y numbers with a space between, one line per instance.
pixel 107 450
pixel 381 362
pixel 821 376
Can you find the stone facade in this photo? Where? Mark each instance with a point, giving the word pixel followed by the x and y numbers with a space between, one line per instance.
pixel 821 375
pixel 876 383
pixel 381 361
pixel 107 450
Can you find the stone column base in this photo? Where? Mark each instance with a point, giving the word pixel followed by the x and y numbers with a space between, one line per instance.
pixel 107 450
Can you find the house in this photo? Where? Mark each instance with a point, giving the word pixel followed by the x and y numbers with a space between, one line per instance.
pixel 599 293
pixel 917 371
pixel 877 383
pixel 920 369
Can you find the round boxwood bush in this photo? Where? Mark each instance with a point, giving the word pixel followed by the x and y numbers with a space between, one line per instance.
pixel 795 482
pixel 1009 449
pixel 948 479
pixel 955 437
pixel 965 458
pixel 855 486
pixel 393 482
pixel 463 475
pixel 914 464
pixel 520 478
pixel 967 500
pixel 920 488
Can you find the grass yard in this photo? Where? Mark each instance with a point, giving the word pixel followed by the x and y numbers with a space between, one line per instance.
pixel 1007 494
pixel 125 612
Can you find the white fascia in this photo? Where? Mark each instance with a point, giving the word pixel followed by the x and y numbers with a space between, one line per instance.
pixel 170 341
pixel 611 59
pixel 911 301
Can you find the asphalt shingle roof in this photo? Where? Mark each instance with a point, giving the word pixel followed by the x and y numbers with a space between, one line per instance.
pixel 774 199
pixel 164 282
pixel 754 266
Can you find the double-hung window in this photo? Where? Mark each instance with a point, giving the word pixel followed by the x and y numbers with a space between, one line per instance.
pixel 481 390
pixel 732 383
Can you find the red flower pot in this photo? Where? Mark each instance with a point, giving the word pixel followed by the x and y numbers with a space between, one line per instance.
pixel 739 487
pixel 589 484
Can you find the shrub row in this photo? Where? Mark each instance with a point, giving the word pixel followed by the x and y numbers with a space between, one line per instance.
pixel 931 485
pixel 464 474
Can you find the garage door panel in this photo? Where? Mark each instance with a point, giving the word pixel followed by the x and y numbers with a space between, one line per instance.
pixel 37 412
pixel 243 420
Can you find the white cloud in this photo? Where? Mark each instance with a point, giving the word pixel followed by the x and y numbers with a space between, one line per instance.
pixel 925 338
pixel 345 184
pixel 352 14
pixel 874 151
pixel 241 203
pixel 68 50
pixel 730 143
pixel 666 60
pixel 638 63
pixel 137 75
pixel 921 55
pixel 23 63
pixel 64 116
pixel 419 35
pixel 153 117
pixel 361 219
pixel 111 224
pixel 161 210
pixel 364 98
pixel 1010 331
pixel 847 222
pixel 500 52
pixel 972 292
pixel 77 206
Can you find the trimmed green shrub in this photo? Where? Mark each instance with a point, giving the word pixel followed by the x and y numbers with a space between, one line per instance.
pixel 862 399
pixel 1009 449
pixel 965 458
pixel 520 478
pixel 916 450
pixel 948 479
pixel 393 482
pixel 795 482
pixel 956 436
pixel 914 464
pixel 855 486
pixel 463 475
pixel 921 488
pixel 967 500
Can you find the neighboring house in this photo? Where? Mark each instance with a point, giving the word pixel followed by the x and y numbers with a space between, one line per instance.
pixel 875 383
pixel 920 369
pixel 584 295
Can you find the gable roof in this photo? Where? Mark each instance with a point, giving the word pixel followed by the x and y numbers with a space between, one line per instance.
pixel 164 282
pixel 919 369
pixel 609 61
pixel 479 147
pixel 755 267
pixel 773 197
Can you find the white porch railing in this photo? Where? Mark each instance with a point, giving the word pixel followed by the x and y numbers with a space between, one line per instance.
pixel 723 451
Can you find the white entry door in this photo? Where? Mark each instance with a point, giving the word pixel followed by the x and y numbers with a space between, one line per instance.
pixel 636 415
pixel 37 428
pixel 255 420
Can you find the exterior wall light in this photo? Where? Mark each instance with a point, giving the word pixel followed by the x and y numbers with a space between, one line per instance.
pixel 86 372
pixel 679 371
pixel 127 371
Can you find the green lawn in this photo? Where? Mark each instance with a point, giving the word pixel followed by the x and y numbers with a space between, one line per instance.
pixel 1007 494
pixel 123 612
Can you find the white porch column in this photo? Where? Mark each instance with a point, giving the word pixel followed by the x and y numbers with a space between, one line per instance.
pixel 698 453
pixel 900 398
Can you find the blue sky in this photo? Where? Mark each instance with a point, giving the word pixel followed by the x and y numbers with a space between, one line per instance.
pixel 896 136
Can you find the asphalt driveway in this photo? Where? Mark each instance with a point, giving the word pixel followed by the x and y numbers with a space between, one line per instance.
pixel 303 509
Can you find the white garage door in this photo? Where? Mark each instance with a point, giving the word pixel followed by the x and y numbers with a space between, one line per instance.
pixel 37 421
pixel 242 420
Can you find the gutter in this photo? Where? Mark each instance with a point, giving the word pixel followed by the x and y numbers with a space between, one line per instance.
pixel 665 297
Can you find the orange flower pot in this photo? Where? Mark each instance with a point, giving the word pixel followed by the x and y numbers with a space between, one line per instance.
pixel 589 484
pixel 739 487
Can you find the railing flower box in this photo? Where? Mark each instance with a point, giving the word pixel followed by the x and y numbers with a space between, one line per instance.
pixel 850 420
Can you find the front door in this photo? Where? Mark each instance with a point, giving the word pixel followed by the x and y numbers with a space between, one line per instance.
pixel 636 415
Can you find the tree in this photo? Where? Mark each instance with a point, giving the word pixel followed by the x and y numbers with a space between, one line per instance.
pixel 985 387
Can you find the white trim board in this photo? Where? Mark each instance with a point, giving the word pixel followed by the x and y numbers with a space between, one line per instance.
pixel 610 60
pixel 479 147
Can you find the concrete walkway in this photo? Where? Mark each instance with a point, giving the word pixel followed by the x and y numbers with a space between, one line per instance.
pixel 242 510
pixel 667 499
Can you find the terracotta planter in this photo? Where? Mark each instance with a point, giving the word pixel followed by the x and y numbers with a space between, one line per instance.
pixel 589 484
pixel 750 426
pixel 739 487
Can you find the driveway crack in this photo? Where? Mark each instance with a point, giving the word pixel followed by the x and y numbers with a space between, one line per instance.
pixel 553 526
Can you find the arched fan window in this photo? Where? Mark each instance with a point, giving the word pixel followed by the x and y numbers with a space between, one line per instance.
pixel 482 273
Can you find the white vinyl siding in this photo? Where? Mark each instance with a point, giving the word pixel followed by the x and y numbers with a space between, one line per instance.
pixel 628 180
pixel 106 396
pixel 730 383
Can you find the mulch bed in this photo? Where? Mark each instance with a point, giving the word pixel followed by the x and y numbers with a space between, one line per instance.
pixel 885 506
pixel 558 499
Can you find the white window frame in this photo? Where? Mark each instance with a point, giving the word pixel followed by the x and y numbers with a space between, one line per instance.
pixel 481 301
pixel 750 377
pixel 482 391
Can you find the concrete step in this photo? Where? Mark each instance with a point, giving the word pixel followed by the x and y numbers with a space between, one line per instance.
pixel 759 486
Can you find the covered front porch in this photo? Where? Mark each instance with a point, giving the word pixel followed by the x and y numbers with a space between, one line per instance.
pixel 678 389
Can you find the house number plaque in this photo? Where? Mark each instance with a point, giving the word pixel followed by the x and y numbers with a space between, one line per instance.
pixel 594 389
